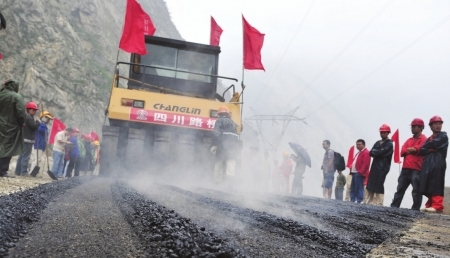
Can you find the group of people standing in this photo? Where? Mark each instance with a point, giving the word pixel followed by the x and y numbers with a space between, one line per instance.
pixel 72 153
pixel 423 167
pixel 20 132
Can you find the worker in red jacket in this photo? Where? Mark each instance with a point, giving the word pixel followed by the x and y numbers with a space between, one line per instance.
pixel 359 171
pixel 412 165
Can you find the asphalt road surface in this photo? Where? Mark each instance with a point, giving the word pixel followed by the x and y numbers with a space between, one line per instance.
pixel 98 217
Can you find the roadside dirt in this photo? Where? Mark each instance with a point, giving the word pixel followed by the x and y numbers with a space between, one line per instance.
pixel 428 237
pixel 17 184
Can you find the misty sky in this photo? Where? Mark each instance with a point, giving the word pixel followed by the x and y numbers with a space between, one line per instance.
pixel 372 62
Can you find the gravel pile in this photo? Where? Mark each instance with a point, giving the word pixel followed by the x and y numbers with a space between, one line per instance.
pixel 166 234
pixel 322 242
pixel 19 210
pixel 346 229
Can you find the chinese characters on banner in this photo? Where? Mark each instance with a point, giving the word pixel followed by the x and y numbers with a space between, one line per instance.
pixel 165 118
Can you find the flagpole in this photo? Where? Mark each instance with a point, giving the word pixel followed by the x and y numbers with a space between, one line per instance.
pixel 243 68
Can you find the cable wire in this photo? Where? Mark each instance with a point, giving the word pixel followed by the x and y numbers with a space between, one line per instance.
pixel 285 50
pixel 390 59
pixel 344 49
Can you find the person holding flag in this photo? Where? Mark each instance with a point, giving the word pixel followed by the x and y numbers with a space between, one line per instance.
pixel 412 165
pixel 381 153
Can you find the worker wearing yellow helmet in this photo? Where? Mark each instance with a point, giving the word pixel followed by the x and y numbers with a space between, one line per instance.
pixel 224 146
pixel 96 156
pixel 45 116
pixel 41 139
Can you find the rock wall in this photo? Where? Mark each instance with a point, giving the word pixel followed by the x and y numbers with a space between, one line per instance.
pixel 63 52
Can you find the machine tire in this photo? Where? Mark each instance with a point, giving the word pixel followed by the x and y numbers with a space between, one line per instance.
pixel 108 151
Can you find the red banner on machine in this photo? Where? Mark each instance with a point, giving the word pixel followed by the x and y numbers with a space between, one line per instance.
pixel 172 119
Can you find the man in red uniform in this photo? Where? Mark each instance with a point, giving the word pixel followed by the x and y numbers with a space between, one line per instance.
pixel 412 165
pixel 359 171
pixel 432 176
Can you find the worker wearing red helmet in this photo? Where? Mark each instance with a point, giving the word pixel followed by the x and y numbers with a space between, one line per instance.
pixel 381 153
pixel 12 118
pixel 432 176
pixel 412 165
pixel 224 146
pixel 29 131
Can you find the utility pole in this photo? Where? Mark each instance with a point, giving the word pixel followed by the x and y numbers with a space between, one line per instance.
pixel 272 145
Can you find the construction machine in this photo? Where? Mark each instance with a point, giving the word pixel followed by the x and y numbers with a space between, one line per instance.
pixel 162 113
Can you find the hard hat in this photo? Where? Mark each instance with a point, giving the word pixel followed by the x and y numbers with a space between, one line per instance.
pixel 285 153
pixel 46 114
pixel 385 128
pixel 31 105
pixel 435 119
pixel 75 130
pixel 96 143
pixel 417 121
pixel 223 109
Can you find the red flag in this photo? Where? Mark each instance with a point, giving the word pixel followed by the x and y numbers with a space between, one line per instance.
pixel 95 136
pixel 216 31
pixel 57 126
pixel 137 24
pixel 395 139
pixel 253 42
pixel 351 156
pixel 1 56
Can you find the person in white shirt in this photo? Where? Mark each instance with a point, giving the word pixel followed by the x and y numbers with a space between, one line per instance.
pixel 61 139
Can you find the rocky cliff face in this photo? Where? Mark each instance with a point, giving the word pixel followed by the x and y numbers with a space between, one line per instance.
pixel 63 52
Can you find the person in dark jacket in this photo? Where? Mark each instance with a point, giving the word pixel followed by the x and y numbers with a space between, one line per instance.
pixel 41 139
pixel 224 145
pixel 29 131
pixel 86 162
pixel 299 171
pixel 432 176
pixel 381 153
pixel 74 154
pixel 12 118
pixel 412 165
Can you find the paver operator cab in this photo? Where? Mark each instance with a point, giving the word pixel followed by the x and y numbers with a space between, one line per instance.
pixel 162 116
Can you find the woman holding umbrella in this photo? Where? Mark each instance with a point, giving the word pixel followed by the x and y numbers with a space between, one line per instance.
pixel 302 160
